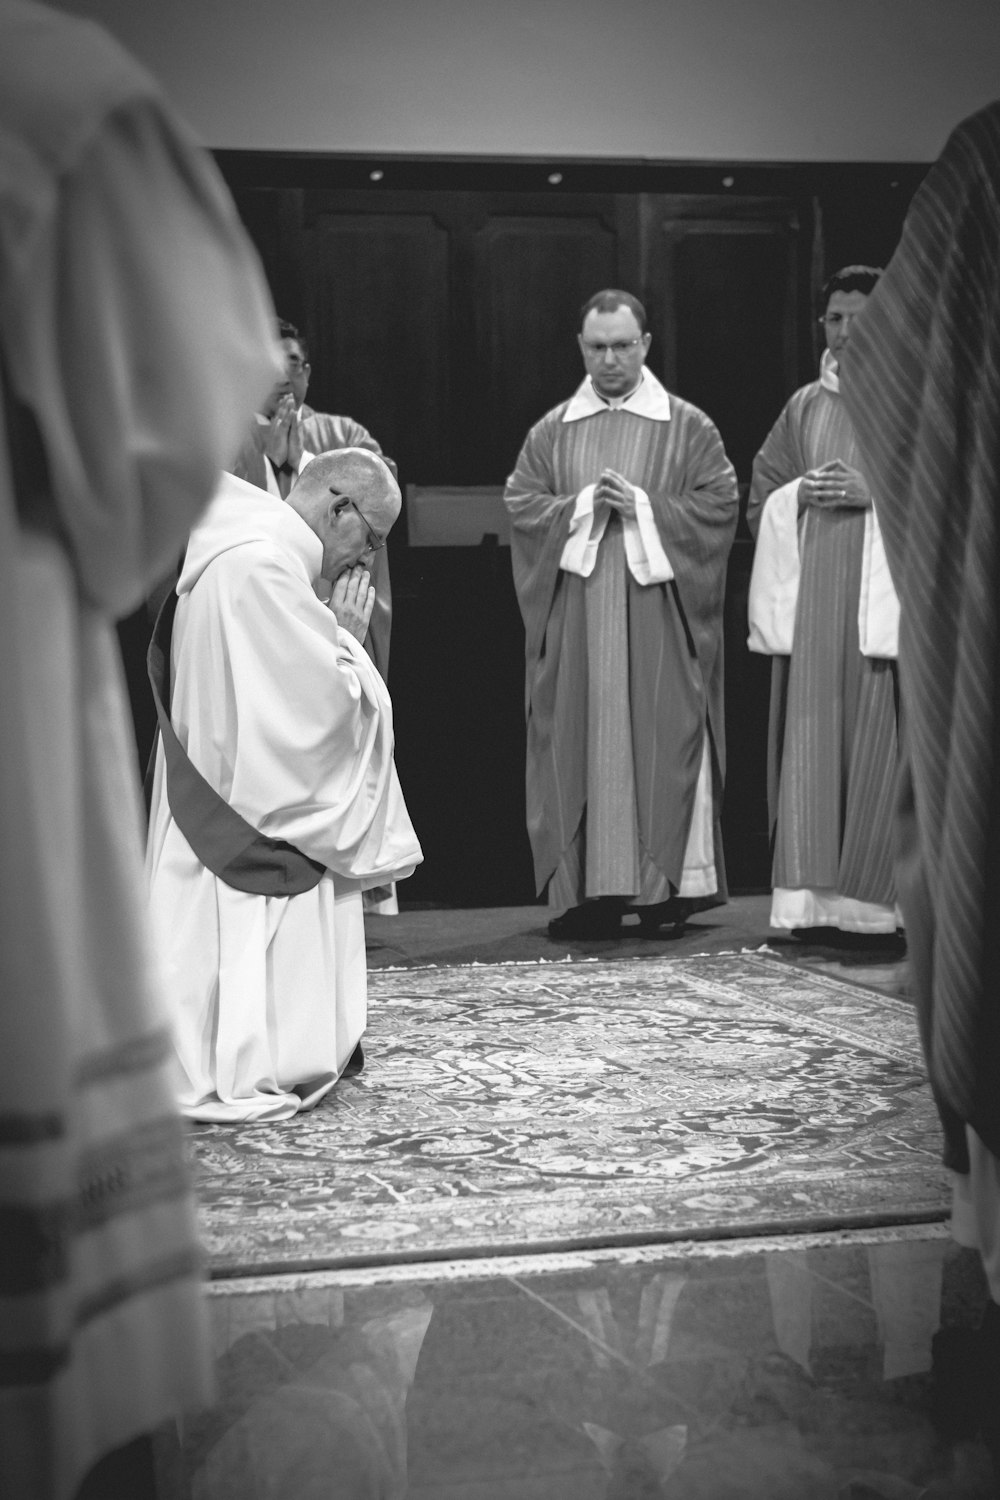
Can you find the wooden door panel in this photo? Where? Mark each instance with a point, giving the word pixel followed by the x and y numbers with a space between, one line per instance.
pixel 532 275
pixel 724 301
pixel 378 292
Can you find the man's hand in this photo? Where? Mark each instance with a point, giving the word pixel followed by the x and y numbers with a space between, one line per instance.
pixel 283 441
pixel 614 490
pixel 834 486
pixel 352 601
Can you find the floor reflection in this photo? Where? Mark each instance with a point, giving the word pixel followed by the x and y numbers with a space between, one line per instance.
pixel 794 1369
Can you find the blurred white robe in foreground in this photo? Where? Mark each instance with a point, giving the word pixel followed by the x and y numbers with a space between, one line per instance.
pixel 284 714
pixel 135 331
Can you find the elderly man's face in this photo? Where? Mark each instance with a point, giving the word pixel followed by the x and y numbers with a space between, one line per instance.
pixel 614 350
pixel 838 320
pixel 357 529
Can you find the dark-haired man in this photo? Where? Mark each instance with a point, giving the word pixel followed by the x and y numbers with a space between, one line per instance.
pixel 286 427
pixel 623 506
pixel 822 604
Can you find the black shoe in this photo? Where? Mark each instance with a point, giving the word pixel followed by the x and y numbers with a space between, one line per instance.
pixel 673 914
pixel 594 919
pixel 355 1063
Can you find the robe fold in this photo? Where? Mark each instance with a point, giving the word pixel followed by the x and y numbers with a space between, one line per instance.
pixel 832 744
pixel 665 679
pixel 135 334
pixel 284 715
pixel 921 379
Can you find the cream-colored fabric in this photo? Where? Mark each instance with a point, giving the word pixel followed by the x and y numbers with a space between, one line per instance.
pixel 649 399
pixel 285 715
pixel 805 906
pixel 644 554
pixel 878 607
pixel 136 336
pixel 774 577
pixel 774 582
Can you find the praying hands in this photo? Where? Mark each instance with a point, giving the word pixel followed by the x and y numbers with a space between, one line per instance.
pixel 353 600
pixel 834 485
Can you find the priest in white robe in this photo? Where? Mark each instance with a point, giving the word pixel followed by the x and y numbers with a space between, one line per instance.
pixel 135 333
pixel 257 861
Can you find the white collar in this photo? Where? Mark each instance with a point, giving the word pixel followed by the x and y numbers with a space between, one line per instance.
pixel 829 374
pixel 649 399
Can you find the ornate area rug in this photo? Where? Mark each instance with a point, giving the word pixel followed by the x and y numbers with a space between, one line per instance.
pixel 513 1108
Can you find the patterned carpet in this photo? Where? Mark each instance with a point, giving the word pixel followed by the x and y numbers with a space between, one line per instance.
pixel 512 1108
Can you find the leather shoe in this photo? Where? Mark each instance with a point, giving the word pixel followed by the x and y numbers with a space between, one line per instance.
pixel 594 919
pixel 673 913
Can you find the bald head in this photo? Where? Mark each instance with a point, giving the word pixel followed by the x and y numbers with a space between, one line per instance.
pixel 350 498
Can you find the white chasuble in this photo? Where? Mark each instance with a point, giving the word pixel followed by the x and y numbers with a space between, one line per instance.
pixel 285 716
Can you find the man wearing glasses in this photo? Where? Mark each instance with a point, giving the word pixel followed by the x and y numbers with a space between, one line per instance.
pixel 832 747
pixel 623 506
pixel 284 433
pixel 275 800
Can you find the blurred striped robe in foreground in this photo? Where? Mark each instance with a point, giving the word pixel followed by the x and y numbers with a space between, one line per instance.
pixel 624 680
pixel 922 383
pixel 832 747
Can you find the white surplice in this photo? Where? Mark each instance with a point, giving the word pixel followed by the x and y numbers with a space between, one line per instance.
pixel 135 332
pixel 284 714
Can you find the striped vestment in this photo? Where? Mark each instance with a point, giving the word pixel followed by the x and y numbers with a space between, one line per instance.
pixel 922 383
pixel 832 747
pixel 623 680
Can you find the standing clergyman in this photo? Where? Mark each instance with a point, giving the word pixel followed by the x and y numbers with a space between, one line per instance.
pixel 623 506
pixel 822 604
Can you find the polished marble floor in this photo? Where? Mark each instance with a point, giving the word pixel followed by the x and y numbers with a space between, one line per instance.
pixel 796 1368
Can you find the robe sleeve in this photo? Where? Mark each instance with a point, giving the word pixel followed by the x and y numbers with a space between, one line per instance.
pixel 310 735
pixel 779 461
pixel 145 337
pixel 647 560
pixel 540 527
pixel 250 462
pixel 696 517
pixel 323 431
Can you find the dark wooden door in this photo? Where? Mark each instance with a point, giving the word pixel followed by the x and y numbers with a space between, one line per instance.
pixel 727 286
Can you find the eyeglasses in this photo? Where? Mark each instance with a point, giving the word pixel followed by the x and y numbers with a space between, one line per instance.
pixel 837 320
pixel 375 542
pixel 619 350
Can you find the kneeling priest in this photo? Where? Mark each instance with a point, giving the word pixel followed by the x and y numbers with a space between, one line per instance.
pixel 275 799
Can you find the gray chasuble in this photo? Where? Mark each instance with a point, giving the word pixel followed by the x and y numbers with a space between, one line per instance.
pixel 623 678
pixel 229 846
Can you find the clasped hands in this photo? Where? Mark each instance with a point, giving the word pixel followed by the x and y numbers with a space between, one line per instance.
pixel 834 485
pixel 283 440
pixel 614 491
pixel 352 601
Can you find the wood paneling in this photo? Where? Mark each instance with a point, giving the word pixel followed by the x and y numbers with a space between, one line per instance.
pixel 726 300
pixel 377 293
pixel 533 273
